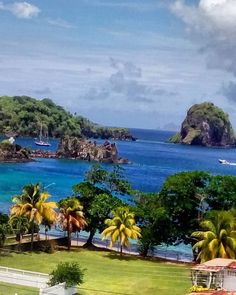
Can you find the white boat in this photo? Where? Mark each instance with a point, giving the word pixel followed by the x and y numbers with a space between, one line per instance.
pixel 41 142
pixel 224 162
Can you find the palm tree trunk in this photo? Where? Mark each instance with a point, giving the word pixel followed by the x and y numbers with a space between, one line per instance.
pixel 121 250
pixel 69 239
pixel 68 234
pixel 32 237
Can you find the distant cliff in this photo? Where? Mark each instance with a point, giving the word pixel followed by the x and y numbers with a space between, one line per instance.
pixel 24 116
pixel 206 125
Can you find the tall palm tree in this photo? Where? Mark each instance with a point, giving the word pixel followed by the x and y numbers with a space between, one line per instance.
pixel 121 227
pixel 218 237
pixel 71 216
pixel 32 203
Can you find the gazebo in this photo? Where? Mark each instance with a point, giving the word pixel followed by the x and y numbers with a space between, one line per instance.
pixel 217 274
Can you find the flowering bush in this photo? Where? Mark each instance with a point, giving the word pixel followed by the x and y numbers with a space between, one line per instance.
pixel 199 289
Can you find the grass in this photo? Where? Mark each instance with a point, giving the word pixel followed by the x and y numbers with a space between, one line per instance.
pixel 10 289
pixel 107 273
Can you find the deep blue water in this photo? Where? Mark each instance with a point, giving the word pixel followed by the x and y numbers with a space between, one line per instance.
pixel 152 160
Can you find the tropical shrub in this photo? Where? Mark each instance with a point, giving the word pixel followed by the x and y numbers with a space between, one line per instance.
pixel 67 272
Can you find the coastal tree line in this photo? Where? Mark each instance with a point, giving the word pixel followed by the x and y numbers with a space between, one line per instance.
pixel 191 207
pixel 25 116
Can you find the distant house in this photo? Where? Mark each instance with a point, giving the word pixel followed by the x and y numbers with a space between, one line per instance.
pixel 218 274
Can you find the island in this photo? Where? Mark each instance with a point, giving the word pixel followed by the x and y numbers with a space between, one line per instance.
pixel 206 125
pixel 27 116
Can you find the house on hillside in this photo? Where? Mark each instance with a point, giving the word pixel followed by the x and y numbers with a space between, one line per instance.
pixel 218 274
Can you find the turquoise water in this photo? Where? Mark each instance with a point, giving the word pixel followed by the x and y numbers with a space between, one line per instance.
pixel 152 160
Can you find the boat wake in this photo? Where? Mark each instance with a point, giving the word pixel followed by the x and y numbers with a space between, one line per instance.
pixel 225 162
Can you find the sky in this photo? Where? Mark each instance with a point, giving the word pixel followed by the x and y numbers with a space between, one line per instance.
pixel 127 63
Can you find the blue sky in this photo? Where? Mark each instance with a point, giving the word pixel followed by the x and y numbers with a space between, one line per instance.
pixel 125 63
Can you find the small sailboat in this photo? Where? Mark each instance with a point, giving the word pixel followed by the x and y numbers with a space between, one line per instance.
pixel 42 142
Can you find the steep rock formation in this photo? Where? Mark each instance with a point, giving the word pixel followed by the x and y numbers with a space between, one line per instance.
pixel 207 125
pixel 84 149
pixel 13 153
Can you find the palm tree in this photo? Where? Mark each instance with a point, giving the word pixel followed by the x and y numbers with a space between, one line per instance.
pixel 20 225
pixel 121 227
pixel 32 204
pixel 218 238
pixel 71 216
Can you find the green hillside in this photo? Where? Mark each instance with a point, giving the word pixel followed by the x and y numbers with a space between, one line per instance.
pixel 23 115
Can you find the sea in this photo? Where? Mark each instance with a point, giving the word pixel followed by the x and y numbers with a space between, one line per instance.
pixel 151 160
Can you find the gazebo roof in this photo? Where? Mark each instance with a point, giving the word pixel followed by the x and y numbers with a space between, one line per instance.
pixel 219 292
pixel 216 265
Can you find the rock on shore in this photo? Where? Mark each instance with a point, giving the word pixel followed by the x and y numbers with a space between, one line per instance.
pixel 13 153
pixel 84 149
pixel 69 148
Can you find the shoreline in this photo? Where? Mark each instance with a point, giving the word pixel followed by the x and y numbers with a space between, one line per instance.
pixel 167 255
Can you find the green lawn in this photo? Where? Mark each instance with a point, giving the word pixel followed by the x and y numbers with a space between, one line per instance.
pixel 7 289
pixel 107 273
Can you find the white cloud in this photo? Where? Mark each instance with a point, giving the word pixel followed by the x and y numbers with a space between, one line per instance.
pixel 61 23
pixel 208 15
pixel 212 24
pixel 21 9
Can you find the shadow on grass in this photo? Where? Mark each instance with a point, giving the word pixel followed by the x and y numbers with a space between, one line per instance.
pixel 128 257
pixel 125 257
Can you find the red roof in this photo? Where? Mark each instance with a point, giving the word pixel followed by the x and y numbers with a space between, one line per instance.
pixel 216 265
pixel 222 292
pixel 219 292
pixel 233 265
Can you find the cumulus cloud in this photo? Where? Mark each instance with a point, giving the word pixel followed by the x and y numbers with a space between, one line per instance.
pixel 126 68
pixel 21 9
pixel 125 84
pixel 211 23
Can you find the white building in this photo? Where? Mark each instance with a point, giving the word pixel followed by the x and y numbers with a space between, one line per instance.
pixel 218 274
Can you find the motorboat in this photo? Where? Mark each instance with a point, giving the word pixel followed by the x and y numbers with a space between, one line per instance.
pixel 224 162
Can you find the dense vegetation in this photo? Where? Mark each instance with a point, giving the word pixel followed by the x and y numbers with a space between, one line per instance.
pixel 23 115
pixel 206 124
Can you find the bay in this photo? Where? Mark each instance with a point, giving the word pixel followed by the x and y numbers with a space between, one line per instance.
pixel 152 160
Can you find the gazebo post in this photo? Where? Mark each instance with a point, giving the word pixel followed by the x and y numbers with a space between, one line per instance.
pixel 209 280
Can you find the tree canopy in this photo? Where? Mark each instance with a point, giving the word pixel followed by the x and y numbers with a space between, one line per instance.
pixel 217 238
pixel 24 116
